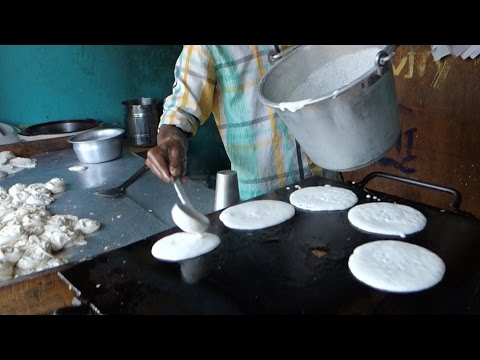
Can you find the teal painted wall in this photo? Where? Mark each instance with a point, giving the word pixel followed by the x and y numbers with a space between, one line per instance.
pixel 55 82
pixel 41 83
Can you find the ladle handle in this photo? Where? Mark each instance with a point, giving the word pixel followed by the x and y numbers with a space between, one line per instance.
pixel 181 192
pixel 134 177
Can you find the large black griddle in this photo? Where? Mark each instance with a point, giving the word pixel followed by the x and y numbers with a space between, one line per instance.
pixel 61 127
pixel 298 267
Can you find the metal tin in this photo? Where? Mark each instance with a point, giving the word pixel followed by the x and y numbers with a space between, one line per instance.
pixel 142 117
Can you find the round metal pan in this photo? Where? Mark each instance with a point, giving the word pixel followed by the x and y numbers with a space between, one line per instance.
pixel 61 127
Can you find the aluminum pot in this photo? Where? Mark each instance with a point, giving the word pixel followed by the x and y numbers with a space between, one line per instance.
pixel 341 128
pixel 97 146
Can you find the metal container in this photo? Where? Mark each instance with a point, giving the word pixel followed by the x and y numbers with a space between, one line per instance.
pixel 97 146
pixel 142 117
pixel 348 127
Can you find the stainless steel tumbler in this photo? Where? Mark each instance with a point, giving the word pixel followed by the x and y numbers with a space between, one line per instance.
pixel 226 190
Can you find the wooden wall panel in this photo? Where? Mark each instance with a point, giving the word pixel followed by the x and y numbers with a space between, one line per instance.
pixel 439 105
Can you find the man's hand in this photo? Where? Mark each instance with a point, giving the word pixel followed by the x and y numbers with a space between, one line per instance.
pixel 169 158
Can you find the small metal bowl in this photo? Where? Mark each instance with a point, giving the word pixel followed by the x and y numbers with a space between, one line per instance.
pixel 97 146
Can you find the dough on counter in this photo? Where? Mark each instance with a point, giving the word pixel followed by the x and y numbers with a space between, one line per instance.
pixel 9 169
pixel 39 199
pixel 14 216
pixel 387 218
pixel 58 236
pixel 32 258
pixel 6 270
pixel 87 226
pixel 37 189
pixel 29 235
pixel 78 168
pixel 183 246
pixel 323 198
pixel 22 162
pixel 257 214
pixel 63 220
pixel 20 196
pixel 11 164
pixel 32 242
pixel 55 185
pixel 18 187
pixel 396 266
pixel 33 224
pixel 10 253
pixel 6 156
pixel 12 233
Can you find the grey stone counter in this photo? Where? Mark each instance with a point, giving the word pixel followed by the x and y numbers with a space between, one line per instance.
pixel 144 211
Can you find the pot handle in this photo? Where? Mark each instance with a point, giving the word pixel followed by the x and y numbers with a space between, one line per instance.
pixel 457 197
pixel 274 56
pixel 382 59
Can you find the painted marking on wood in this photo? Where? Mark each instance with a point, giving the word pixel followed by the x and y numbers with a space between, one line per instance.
pixel 422 63
pixel 398 70
pixel 442 71
pixel 411 62
pixel 409 136
pixel 415 63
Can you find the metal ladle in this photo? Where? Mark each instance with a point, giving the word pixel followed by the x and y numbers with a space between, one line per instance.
pixel 184 215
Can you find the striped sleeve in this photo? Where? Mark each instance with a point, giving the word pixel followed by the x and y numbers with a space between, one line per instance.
pixel 191 101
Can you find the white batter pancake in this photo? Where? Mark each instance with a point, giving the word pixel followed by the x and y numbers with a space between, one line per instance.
pixel 257 214
pixel 396 266
pixel 387 218
pixel 183 246
pixel 323 198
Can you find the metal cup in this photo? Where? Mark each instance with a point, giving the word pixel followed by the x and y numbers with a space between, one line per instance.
pixel 226 189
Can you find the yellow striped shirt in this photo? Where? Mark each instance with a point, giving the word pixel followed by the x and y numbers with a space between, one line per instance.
pixel 222 79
